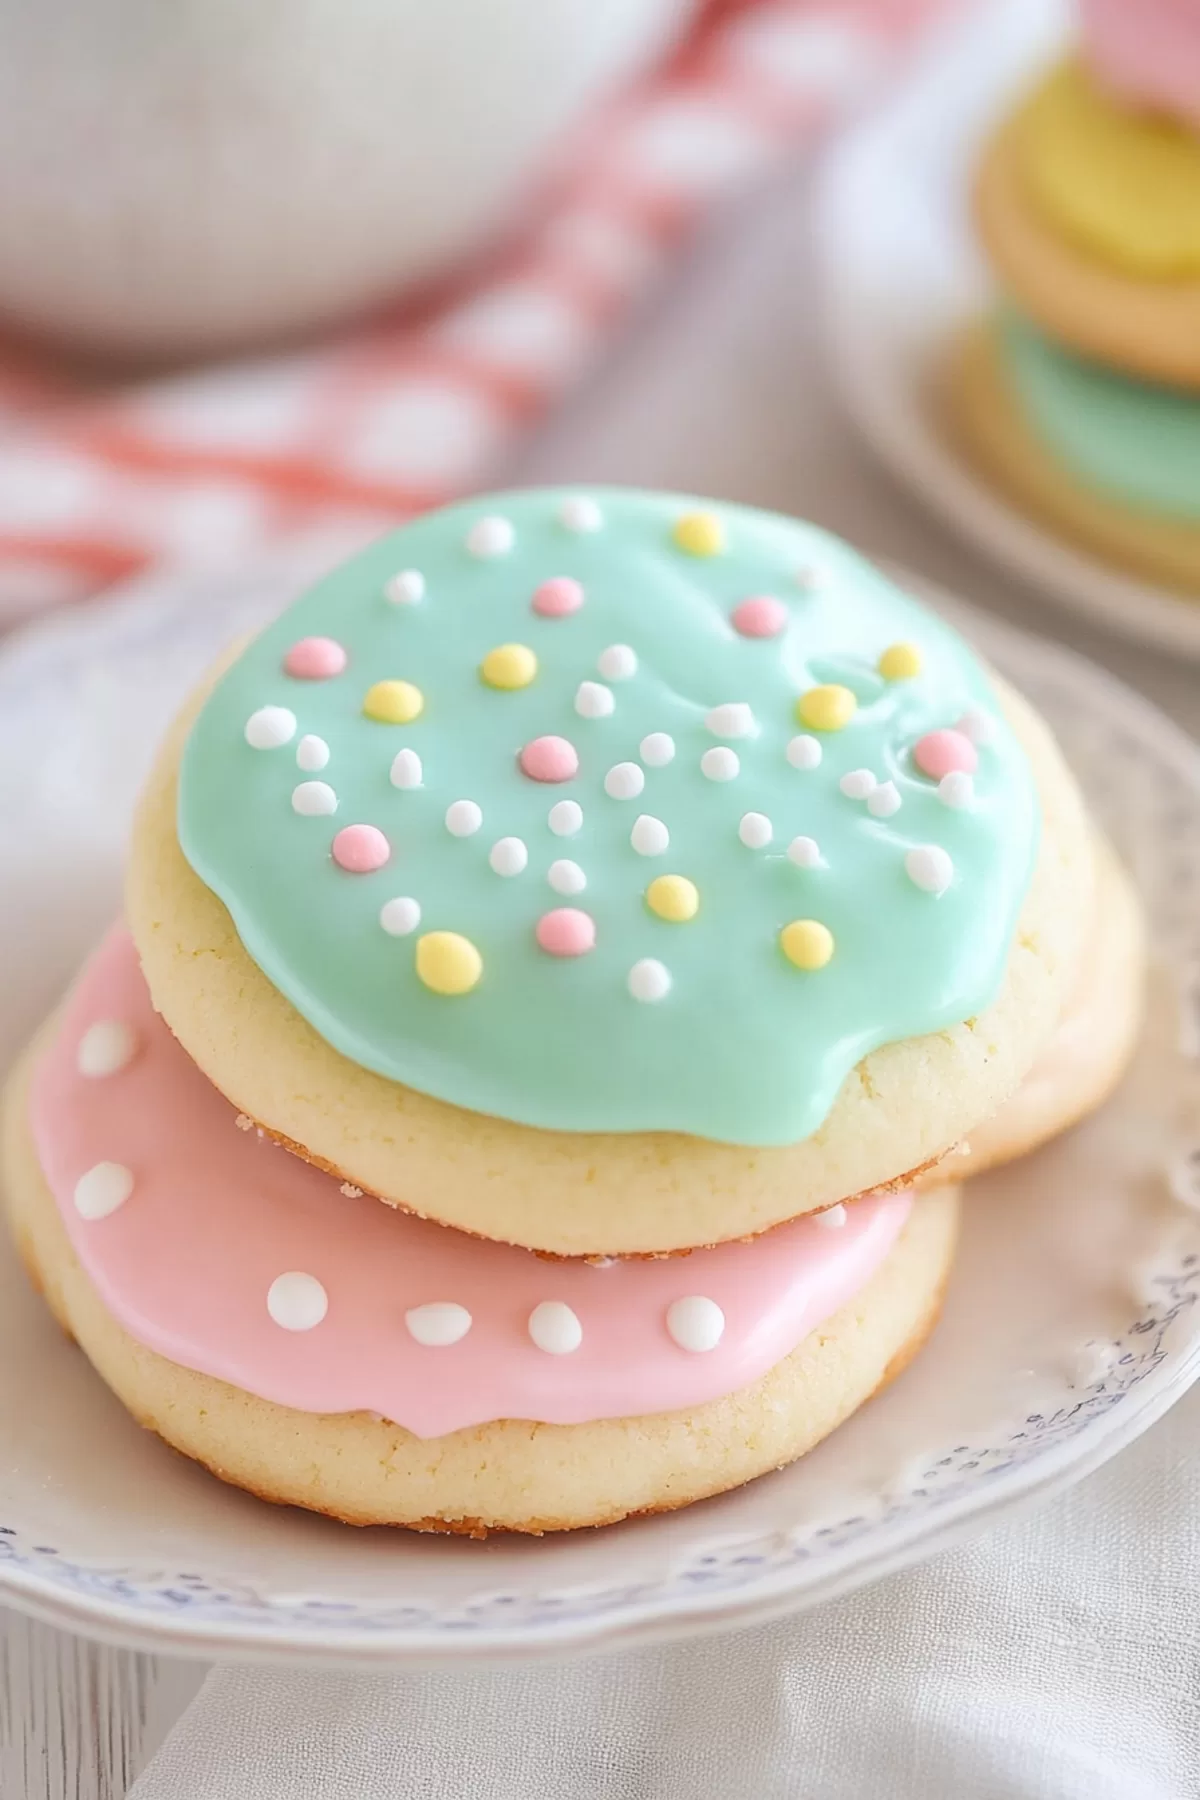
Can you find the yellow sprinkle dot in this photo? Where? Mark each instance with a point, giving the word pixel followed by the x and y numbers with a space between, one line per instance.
pixel 807 943
pixel 826 708
pixel 700 534
pixel 448 963
pixel 673 897
pixel 509 666
pixel 394 702
pixel 900 661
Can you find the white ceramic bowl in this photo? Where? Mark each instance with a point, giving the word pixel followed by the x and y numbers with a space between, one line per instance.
pixel 197 174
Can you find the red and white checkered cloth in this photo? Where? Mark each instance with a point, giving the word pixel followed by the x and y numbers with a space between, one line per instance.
pixel 328 447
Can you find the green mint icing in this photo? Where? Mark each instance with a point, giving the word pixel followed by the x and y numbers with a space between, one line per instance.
pixel 744 1046
pixel 1131 440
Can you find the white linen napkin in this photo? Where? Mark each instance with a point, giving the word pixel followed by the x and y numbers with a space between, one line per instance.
pixel 1056 1658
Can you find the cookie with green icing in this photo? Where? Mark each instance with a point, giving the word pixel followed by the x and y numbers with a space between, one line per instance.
pixel 1123 440
pixel 610 873
pixel 632 813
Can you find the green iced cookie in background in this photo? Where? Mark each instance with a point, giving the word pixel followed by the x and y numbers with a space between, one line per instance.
pixel 730 1039
pixel 1127 439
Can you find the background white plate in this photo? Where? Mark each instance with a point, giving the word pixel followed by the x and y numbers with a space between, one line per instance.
pixel 1071 1322
pixel 901 272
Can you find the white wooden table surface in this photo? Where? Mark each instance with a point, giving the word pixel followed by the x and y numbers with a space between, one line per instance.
pixel 720 389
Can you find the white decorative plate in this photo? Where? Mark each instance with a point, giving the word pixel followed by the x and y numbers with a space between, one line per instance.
pixel 901 272
pixel 1071 1322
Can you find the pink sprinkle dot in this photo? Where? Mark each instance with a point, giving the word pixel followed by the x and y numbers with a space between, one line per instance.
pixel 315 659
pixel 942 753
pixel 762 616
pixel 360 849
pixel 549 759
pixel 555 598
pixel 566 932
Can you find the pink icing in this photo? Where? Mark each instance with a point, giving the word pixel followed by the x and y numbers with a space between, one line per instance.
pixel 558 597
pixel 941 753
pixel 1146 51
pixel 361 849
pixel 216 1214
pixel 762 616
pixel 567 931
pixel 315 659
pixel 550 759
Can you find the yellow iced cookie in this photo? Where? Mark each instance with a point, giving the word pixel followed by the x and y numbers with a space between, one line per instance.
pixel 1122 185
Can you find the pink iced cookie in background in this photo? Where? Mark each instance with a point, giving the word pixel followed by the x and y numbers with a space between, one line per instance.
pixel 219 1250
pixel 1146 51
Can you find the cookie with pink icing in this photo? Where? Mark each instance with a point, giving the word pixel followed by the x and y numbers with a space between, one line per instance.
pixel 1146 51
pixel 324 1351
pixel 217 1249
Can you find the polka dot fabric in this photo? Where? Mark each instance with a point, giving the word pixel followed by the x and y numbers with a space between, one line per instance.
pixel 747 1042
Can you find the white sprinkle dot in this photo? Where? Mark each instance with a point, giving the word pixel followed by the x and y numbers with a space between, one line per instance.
pixel 755 830
pixel 400 916
pixel 593 701
pixel 438 1323
pixel 555 1328
pixel 857 784
pixel 566 877
pixel 463 818
pixel 956 789
pixel 720 765
pixel 565 817
pixel 314 799
pixel 105 1047
pixel 696 1323
pixel 269 727
pixel 884 800
pixel 649 836
pixel 649 979
pixel 617 663
pixel 106 1186
pixel 508 856
pixel 805 852
pixel 312 753
pixel 624 781
pixel 406 588
pixel 804 752
pixel 491 536
pixel 832 1218
pixel 579 513
pixel 406 770
pixel 734 720
pixel 657 749
pixel 297 1301
pixel 977 725
pixel 930 868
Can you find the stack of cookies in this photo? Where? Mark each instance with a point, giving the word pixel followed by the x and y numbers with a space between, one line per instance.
pixel 565 959
pixel 1081 397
